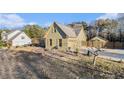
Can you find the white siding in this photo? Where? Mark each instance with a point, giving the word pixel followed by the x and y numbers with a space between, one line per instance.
pixel 19 41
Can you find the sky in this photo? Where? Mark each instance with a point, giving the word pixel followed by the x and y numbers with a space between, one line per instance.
pixel 10 20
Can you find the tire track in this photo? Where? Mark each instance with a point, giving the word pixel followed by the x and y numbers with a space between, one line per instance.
pixel 23 72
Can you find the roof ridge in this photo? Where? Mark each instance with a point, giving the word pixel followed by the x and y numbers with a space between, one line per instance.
pixel 99 37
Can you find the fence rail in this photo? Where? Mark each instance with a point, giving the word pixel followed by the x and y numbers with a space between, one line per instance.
pixel 112 45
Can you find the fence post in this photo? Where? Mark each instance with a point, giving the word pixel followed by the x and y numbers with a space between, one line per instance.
pixel 94 60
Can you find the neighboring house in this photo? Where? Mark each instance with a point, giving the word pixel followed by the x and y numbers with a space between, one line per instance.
pixel 64 38
pixel 16 38
pixel 98 42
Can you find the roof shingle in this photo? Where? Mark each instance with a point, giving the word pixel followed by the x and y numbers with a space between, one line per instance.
pixel 67 30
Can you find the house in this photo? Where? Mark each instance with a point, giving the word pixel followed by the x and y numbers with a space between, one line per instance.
pixel 64 38
pixel 16 38
pixel 98 42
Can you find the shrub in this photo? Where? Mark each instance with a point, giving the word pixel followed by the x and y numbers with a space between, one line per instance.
pixel 2 44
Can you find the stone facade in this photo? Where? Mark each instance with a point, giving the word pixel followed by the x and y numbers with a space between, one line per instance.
pixel 64 38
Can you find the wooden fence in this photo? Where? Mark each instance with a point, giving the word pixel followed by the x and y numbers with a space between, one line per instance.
pixel 112 45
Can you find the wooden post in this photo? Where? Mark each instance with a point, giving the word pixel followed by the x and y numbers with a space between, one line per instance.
pixel 94 60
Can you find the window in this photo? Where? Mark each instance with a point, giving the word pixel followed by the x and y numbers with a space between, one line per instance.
pixel 60 42
pixel 55 30
pixel 22 37
pixel 50 42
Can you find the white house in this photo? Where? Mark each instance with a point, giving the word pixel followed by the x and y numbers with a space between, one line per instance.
pixel 16 38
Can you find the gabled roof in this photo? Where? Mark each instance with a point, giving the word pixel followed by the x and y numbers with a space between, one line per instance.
pixel 13 32
pixel 70 32
pixel 14 36
pixel 67 30
pixel 77 31
pixel 99 38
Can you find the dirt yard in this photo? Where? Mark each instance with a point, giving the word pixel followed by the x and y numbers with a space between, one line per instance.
pixel 36 63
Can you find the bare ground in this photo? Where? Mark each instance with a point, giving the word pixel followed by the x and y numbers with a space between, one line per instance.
pixel 40 64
